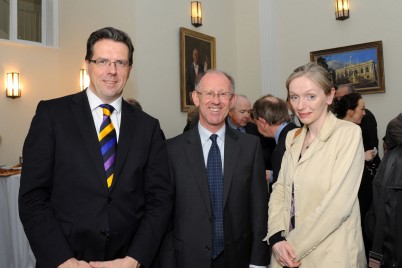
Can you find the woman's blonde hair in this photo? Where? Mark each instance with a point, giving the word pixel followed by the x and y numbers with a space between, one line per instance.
pixel 315 72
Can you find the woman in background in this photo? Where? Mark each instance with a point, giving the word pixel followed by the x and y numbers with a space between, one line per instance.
pixel 314 218
pixel 351 107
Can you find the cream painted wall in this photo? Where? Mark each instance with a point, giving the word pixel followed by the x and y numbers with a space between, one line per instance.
pixel 311 25
pixel 154 27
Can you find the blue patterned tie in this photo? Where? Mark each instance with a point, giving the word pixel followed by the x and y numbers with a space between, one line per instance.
pixel 215 183
pixel 108 143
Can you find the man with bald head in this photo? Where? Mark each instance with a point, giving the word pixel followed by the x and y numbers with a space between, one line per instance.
pixel 220 213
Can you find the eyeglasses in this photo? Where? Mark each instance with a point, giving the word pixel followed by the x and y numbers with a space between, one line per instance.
pixel 121 64
pixel 210 95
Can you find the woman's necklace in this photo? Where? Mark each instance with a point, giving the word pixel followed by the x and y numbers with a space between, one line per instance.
pixel 308 143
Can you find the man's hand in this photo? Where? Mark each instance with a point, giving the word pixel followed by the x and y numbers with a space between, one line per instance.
pixel 126 262
pixel 285 254
pixel 74 263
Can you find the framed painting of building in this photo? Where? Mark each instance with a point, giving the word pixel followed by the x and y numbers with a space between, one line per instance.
pixel 361 65
pixel 197 54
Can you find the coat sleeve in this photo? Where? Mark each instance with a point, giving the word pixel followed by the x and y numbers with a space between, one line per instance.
pixel 259 209
pixel 41 227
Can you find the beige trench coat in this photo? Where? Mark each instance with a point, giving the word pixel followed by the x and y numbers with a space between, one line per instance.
pixel 326 181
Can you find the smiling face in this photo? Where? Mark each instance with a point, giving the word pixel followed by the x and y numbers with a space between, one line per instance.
pixel 358 113
pixel 213 110
pixel 309 101
pixel 107 82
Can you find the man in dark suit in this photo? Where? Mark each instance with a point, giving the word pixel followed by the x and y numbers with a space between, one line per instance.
pixel 273 120
pixel 193 69
pixel 239 118
pixel 220 214
pixel 73 214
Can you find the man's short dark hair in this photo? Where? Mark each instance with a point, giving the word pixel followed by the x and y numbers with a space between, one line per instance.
pixel 111 34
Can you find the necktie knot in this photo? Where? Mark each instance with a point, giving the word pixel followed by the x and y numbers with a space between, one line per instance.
pixel 107 109
pixel 213 138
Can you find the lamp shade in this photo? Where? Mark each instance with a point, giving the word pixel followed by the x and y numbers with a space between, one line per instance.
pixel 13 85
pixel 341 9
pixel 84 79
pixel 196 13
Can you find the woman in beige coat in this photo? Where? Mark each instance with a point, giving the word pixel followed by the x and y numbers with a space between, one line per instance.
pixel 314 218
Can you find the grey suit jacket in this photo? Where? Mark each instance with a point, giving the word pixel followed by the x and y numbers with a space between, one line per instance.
pixel 244 199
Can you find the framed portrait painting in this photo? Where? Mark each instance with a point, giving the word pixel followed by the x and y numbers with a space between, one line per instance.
pixel 361 65
pixel 197 54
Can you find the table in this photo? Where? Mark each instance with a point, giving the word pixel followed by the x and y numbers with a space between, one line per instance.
pixel 14 247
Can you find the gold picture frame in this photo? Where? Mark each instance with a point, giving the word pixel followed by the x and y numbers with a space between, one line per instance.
pixel 361 65
pixel 204 48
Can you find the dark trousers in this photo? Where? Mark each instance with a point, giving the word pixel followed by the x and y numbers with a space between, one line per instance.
pixel 219 262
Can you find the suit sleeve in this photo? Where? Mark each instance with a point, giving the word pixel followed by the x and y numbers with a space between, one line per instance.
pixel 41 227
pixel 259 210
pixel 158 202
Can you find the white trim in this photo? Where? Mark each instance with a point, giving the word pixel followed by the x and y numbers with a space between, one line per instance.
pixel 50 24
pixel 268 26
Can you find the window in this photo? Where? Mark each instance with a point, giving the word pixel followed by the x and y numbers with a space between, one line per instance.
pixel 29 21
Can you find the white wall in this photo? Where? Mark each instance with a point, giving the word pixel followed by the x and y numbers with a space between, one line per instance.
pixel 295 28
pixel 154 27
pixel 304 26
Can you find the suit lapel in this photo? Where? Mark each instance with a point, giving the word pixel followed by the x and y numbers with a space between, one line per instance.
pixel 195 156
pixel 83 116
pixel 127 132
pixel 232 152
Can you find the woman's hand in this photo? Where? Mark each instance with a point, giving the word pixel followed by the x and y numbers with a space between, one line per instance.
pixel 369 155
pixel 285 254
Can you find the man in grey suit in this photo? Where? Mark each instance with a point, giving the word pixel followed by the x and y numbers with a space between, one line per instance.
pixel 219 220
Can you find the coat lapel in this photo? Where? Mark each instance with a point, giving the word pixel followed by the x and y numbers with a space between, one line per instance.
pixel 127 135
pixel 83 116
pixel 232 152
pixel 195 156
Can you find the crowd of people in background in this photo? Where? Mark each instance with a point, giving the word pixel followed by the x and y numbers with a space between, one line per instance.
pixel 286 183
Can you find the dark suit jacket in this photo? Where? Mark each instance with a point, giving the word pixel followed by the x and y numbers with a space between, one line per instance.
pixel 369 133
pixel 267 144
pixel 191 78
pixel 245 202
pixel 65 206
pixel 279 151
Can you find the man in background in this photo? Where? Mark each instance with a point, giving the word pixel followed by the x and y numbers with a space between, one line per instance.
pixel 273 120
pixel 95 186
pixel 192 71
pixel 239 118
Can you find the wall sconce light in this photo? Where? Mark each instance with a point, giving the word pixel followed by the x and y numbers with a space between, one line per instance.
pixel 84 79
pixel 196 16
pixel 342 9
pixel 13 85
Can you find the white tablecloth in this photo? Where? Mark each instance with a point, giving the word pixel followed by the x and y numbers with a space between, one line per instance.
pixel 14 247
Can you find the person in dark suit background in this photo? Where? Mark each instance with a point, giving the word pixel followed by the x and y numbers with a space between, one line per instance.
pixel 239 118
pixel 242 216
pixel 273 120
pixel 193 69
pixel 368 125
pixel 72 215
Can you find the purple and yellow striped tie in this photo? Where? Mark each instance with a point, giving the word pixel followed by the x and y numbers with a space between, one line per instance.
pixel 108 143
